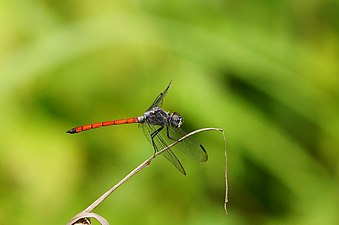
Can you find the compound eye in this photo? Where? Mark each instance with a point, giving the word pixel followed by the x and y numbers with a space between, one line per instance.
pixel 176 120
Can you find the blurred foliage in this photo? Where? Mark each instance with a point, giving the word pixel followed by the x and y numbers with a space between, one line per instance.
pixel 265 71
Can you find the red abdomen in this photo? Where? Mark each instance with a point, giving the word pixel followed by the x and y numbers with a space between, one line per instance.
pixel 101 124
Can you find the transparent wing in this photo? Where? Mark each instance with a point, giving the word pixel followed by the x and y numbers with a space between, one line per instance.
pixel 161 142
pixel 158 101
pixel 189 145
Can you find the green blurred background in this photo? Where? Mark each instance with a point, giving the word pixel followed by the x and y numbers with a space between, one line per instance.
pixel 264 71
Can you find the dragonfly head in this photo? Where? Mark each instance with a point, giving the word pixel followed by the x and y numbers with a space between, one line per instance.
pixel 175 120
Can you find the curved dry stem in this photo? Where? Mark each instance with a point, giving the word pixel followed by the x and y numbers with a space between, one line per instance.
pixel 226 176
pixel 83 219
pixel 87 213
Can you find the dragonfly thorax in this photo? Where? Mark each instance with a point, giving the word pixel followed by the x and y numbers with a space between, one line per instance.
pixel 158 116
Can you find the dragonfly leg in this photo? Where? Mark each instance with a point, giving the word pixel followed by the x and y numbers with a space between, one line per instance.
pixel 152 138
pixel 168 135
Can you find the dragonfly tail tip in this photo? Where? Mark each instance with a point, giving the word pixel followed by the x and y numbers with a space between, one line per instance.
pixel 71 131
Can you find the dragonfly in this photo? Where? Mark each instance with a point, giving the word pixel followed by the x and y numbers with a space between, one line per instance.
pixel 160 128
